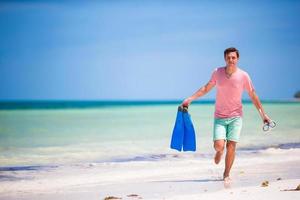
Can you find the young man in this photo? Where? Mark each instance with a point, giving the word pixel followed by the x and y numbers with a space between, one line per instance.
pixel 230 82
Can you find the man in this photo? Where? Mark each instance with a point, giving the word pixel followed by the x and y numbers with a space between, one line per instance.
pixel 230 82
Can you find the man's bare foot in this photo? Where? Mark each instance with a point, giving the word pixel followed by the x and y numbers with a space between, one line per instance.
pixel 218 156
pixel 227 179
pixel 227 182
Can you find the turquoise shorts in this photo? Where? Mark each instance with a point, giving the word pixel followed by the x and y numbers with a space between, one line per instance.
pixel 228 128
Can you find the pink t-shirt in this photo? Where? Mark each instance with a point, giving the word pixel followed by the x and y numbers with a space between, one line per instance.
pixel 229 92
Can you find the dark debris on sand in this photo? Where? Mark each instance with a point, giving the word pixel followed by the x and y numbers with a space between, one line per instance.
pixel 296 189
pixel 112 198
pixel 134 196
pixel 265 184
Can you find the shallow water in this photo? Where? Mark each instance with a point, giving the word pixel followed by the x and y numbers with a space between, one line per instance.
pixel 30 137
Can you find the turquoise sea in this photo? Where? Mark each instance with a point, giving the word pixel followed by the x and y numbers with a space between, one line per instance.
pixel 58 133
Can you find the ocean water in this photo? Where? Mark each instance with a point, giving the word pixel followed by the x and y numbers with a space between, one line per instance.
pixel 38 135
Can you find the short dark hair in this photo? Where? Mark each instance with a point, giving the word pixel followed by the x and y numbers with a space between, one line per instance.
pixel 231 49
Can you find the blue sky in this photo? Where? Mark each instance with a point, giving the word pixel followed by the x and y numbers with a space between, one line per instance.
pixel 144 50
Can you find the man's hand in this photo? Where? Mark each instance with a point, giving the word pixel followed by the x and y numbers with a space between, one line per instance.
pixel 266 119
pixel 187 102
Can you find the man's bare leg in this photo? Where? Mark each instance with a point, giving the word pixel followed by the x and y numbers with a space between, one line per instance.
pixel 230 155
pixel 219 147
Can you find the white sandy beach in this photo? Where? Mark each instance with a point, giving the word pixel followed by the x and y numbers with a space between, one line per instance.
pixel 174 176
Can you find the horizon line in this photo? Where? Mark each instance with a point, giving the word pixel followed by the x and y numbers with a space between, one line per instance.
pixel 88 104
pixel 138 100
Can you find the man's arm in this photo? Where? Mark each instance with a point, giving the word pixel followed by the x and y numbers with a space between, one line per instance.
pixel 259 107
pixel 201 92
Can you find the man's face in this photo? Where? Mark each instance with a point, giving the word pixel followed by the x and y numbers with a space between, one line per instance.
pixel 231 59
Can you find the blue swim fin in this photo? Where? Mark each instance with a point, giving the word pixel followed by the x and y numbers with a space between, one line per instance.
pixel 189 140
pixel 178 131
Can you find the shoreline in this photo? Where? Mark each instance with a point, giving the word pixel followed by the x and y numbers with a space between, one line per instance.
pixel 172 155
